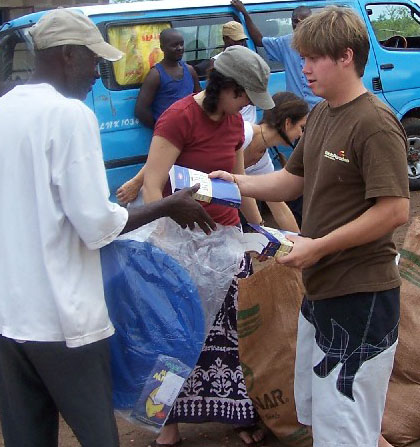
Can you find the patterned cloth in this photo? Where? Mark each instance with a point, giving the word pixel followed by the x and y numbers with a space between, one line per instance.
pixel 215 390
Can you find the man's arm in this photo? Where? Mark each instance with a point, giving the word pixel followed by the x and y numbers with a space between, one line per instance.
pixel 197 86
pixel 279 186
pixel 147 93
pixel 254 32
pixel 387 214
pixel 180 207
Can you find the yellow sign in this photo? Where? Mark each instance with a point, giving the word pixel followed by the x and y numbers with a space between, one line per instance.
pixel 141 46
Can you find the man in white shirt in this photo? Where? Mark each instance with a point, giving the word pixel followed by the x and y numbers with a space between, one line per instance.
pixel 56 215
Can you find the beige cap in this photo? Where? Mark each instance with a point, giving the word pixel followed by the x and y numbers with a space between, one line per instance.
pixel 234 30
pixel 249 70
pixel 66 27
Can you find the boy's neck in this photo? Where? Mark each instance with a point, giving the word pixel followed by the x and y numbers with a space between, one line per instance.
pixel 168 63
pixel 350 91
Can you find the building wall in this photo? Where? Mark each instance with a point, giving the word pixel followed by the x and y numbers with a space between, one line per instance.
pixel 10 9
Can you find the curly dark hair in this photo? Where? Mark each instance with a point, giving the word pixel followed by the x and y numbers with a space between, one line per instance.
pixel 215 84
pixel 287 105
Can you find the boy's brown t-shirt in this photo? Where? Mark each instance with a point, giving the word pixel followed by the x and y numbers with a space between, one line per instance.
pixel 348 156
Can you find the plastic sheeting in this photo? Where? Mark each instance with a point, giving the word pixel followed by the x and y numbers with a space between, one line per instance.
pixel 164 286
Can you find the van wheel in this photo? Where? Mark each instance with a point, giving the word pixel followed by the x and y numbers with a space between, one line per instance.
pixel 412 128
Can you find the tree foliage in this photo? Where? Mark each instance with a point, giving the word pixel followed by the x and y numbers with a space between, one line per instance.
pixel 395 19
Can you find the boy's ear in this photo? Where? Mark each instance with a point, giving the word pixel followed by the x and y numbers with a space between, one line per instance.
pixel 347 56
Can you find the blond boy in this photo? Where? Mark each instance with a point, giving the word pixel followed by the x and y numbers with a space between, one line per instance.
pixel 351 166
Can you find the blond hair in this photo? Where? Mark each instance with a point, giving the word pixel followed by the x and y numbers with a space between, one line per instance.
pixel 330 32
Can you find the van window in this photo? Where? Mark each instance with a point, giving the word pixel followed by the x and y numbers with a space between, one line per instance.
pixel 202 39
pixel 273 24
pixel 16 59
pixel 140 43
pixel 396 26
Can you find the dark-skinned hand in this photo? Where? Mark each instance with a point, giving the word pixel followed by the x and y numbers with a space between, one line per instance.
pixel 187 212
pixel 237 4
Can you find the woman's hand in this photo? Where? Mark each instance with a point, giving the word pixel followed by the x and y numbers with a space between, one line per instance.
pixel 129 191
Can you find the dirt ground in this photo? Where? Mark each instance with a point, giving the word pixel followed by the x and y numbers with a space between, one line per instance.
pixel 206 435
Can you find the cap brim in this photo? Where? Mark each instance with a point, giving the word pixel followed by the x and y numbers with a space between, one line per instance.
pixel 237 37
pixel 106 51
pixel 263 100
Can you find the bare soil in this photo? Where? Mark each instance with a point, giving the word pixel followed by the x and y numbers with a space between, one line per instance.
pixel 207 435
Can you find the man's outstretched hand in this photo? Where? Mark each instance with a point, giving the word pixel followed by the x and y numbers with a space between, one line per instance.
pixel 237 4
pixel 187 212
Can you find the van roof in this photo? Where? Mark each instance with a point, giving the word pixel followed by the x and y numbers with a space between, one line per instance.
pixel 122 8
pixel 157 5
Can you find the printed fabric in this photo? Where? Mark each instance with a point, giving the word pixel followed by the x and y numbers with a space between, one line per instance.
pixel 215 390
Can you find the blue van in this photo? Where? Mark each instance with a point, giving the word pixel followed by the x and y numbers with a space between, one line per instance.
pixel 392 72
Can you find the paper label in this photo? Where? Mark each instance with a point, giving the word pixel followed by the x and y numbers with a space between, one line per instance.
pixel 170 388
pixel 206 190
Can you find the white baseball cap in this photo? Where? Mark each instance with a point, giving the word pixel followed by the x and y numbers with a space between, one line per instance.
pixel 66 27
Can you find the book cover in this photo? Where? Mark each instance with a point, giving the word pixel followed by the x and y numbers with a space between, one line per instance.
pixel 211 190
pixel 267 242
pixel 160 391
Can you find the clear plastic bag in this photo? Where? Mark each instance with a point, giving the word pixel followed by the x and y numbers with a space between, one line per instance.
pixel 164 286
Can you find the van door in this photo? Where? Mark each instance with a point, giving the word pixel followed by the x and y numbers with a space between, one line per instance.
pixel 395 32
pixel 396 44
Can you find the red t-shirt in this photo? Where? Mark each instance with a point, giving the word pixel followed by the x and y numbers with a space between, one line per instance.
pixel 205 145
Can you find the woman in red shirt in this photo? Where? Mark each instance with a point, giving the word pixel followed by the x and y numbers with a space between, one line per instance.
pixel 205 131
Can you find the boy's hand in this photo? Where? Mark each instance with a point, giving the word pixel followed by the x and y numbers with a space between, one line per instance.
pixel 305 252
pixel 223 175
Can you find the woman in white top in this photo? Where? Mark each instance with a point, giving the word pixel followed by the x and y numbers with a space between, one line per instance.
pixel 281 125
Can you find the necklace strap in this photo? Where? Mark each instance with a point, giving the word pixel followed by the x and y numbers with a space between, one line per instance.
pixel 262 136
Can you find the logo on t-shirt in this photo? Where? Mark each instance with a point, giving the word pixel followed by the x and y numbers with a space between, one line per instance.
pixel 340 156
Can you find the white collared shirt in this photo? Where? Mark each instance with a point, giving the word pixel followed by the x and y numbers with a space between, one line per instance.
pixel 55 216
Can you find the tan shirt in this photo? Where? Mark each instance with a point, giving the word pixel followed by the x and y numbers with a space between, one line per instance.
pixel 348 156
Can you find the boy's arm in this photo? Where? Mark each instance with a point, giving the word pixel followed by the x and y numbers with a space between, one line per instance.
pixel 387 214
pixel 147 93
pixel 279 186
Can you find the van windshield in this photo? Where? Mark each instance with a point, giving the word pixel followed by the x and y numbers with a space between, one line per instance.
pixel 16 58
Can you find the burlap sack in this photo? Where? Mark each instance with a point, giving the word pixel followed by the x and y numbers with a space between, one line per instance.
pixel 269 303
pixel 401 422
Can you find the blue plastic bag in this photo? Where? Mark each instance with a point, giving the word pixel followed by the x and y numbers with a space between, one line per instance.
pixel 162 301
